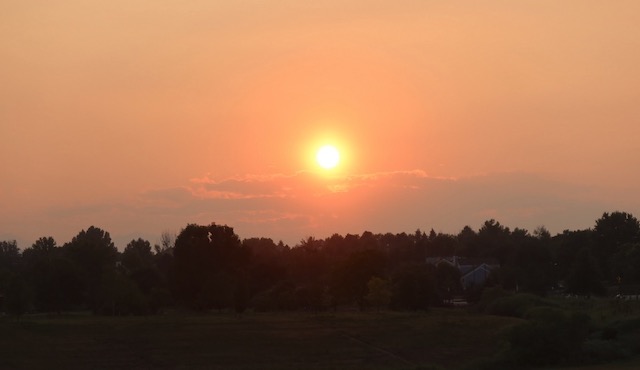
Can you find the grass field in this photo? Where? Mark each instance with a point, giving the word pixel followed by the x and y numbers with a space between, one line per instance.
pixel 445 338
pixel 632 364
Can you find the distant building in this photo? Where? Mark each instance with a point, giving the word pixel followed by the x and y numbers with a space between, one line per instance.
pixel 473 271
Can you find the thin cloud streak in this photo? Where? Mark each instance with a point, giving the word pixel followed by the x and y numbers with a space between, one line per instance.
pixel 292 207
pixel 395 201
pixel 302 184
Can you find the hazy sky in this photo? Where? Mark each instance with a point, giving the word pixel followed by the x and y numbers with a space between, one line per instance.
pixel 141 116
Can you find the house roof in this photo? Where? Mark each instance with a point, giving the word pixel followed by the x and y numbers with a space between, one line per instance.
pixel 473 269
pixel 465 264
pixel 466 261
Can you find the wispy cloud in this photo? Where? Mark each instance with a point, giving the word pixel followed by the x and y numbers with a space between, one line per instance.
pixel 303 184
pixel 291 207
pixel 387 201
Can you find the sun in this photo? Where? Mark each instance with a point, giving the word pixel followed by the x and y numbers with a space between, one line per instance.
pixel 328 157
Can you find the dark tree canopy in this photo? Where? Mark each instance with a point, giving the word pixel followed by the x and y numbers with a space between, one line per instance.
pixel 93 255
pixel 209 267
pixel 9 255
pixel 585 276
pixel 93 250
pixel 614 230
pixel 625 265
pixel 208 260
pixel 351 278
pixel 137 255
pixel 414 288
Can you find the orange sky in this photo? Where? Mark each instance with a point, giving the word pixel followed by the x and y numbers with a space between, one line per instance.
pixel 141 116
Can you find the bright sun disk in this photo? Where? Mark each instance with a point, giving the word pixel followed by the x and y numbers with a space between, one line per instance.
pixel 328 156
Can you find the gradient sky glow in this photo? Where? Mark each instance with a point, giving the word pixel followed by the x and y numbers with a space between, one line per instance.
pixel 141 116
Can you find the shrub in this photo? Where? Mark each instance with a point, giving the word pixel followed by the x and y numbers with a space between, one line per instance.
pixel 544 313
pixel 549 337
pixel 490 295
pixel 627 334
pixel 516 305
pixel 600 350
pixel 264 302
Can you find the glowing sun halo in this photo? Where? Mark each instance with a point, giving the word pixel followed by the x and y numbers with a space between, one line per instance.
pixel 328 157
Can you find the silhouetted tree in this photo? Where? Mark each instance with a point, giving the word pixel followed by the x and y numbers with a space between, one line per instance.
pixel 306 262
pixel 447 280
pixel 441 245
pixel 350 280
pixel 137 255
pixel 119 295
pixel 93 255
pixel 9 255
pixel 378 292
pixel 368 241
pixel 532 262
pixel 9 262
pixel 585 277
pixel 164 262
pixel 611 232
pixel 139 265
pixel 208 267
pixel 14 289
pixel 207 261
pixel 45 269
pixel 625 265
pixel 267 265
pixel 18 295
pixel 467 243
pixel 402 248
pixel 566 246
pixel 241 294
pixel 167 243
pixel 414 288
pixel 421 243
pixel 494 240
pixel 542 233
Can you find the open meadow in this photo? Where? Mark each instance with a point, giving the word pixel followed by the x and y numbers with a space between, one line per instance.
pixel 623 365
pixel 385 340
pixel 492 336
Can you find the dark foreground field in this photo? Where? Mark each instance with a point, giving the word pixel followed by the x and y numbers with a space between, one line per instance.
pixel 441 338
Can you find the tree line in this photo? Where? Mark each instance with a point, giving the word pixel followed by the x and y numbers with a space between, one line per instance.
pixel 208 267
